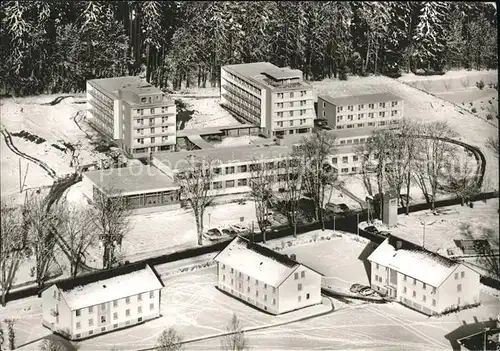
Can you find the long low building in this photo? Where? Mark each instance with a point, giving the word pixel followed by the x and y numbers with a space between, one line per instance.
pixel 266 279
pixel 99 303
pixel 421 279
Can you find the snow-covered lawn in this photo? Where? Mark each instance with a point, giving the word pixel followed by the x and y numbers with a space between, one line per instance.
pixel 240 141
pixel 53 123
pixel 451 80
pixel 207 113
pixel 420 106
pixel 195 308
pixel 440 230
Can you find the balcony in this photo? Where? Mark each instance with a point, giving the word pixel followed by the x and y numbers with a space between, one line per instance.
pixel 251 110
pixel 251 100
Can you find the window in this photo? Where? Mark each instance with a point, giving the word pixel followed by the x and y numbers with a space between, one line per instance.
pixel 344 159
pixel 91 332
pixel 139 297
pixel 424 298
pixel 291 104
pixel 152 140
pixel 78 313
pixel 350 108
pixel 151 130
pixel 371 106
pixel 256 282
pixel 299 287
pixel 151 294
pixel 164 119
pixel 382 104
pixel 355 158
pixel 248 289
pixel 280 114
pixel 151 306
pixel 103 306
pixel 342 142
pixel 334 160
pixel 404 290
pixel 462 274
pixel 223 277
pixel 339 109
pixel 424 285
pixel 139 309
pixel 265 286
pixel 456 275
pixel 232 270
pixel 91 322
pixel 115 303
pixel 103 319
pixel 340 118
pixel 290 113
pixel 323 113
pixel 256 293
pixel 303 274
pixel 302 102
pixel 296 275
pixel 274 301
pixel 279 104
pixel 302 112
pixel 139 319
pixel 115 325
pixel 229 183
pixel 291 95
pixel 115 315
pixel 274 290
pixel 377 265
pixel 91 309
pixel 324 105
pixel 239 274
pixel 376 277
pixel 78 335
pixel 414 282
pixel 381 123
pixel 361 116
pixel 394 112
pixel 404 277
pixel 127 300
pixel 242 182
pixel 360 107
pixel 350 117
pixel 303 93
pixel 232 281
pixel 394 103
pixel 354 169
pixel 370 114
pixel 459 287
pixel 78 325
pixel 434 303
pixel 299 298
pixel 265 297
pixel 381 114
pixel 414 293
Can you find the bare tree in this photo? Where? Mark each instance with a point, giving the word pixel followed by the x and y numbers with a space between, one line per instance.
pixel 486 247
pixel 169 340
pixel 261 185
pixel 41 225
pixel 53 345
pixel 11 333
pixel 433 158
pixel 363 153
pixel 12 247
pixel 461 177
pixel 290 190
pixel 314 154
pixel 409 133
pixel 234 339
pixel 492 144
pixel 110 218
pixel 78 233
pixel 195 181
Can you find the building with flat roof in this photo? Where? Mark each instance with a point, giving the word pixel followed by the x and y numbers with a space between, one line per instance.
pixel 421 279
pixel 277 100
pixel 139 117
pixel 145 187
pixel 99 303
pixel 266 279
pixel 360 111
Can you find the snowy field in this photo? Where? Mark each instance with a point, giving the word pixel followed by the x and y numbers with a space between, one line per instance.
pixel 241 141
pixel 420 106
pixel 441 230
pixel 207 113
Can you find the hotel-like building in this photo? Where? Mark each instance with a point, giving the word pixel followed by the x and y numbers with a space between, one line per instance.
pixel 266 279
pixel 102 302
pixel 360 111
pixel 277 100
pixel 139 117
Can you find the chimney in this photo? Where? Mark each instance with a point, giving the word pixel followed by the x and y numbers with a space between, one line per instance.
pixel 293 257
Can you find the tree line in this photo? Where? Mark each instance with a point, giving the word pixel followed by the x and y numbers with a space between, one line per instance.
pixel 56 46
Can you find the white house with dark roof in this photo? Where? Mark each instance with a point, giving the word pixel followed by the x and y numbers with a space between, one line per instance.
pixel 421 279
pixel 103 302
pixel 266 279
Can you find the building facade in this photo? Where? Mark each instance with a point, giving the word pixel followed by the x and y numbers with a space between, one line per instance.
pixel 420 279
pixel 79 309
pixel 361 111
pixel 266 279
pixel 146 188
pixel 137 116
pixel 276 99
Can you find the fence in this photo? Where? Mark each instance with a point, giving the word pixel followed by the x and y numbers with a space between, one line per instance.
pixel 347 224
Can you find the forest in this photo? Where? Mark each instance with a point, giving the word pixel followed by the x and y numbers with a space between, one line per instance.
pixel 55 46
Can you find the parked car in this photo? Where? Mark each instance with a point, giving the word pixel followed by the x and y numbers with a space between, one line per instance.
pixel 229 231
pixel 239 228
pixel 242 202
pixel 384 233
pixel 355 287
pixel 367 292
pixel 371 229
pixel 214 234
pixel 337 208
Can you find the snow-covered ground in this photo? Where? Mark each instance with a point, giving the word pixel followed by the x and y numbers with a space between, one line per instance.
pixel 451 80
pixel 241 141
pixel 207 113
pixel 441 230
pixel 53 123
pixel 423 107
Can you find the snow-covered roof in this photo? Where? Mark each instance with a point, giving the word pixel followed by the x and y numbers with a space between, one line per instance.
pixel 422 265
pixel 110 289
pixel 360 99
pixel 257 261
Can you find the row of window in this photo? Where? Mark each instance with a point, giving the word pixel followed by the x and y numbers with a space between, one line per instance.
pixel 115 316
pixel 362 115
pixel 152 140
pixel 252 117
pixel 244 83
pixel 152 130
pixel 345 159
pixel 290 123
pixel 302 93
pixel 242 103
pixel 362 106
pixel 354 141
pixel 239 92
pixel 151 121
pixel 369 124
pixel 292 113
pixel 291 104
pixel 103 329
pixel 115 303
pixel 152 111
pixel 424 297
pixel 248 280
pixel 102 118
pixel 101 98
pixel 346 170
pixel 150 99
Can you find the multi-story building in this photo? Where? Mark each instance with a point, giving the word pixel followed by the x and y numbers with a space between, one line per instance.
pixel 276 99
pixel 421 279
pixel 102 302
pixel 361 111
pixel 146 188
pixel 137 116
pixel 266 279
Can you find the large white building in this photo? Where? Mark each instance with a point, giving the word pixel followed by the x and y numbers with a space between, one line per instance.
pixel 421 279
pixel 276 99
pixel 139 117
pixel 102 302
pixel 266 279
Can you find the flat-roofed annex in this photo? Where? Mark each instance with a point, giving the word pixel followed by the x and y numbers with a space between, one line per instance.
pixel 360 99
